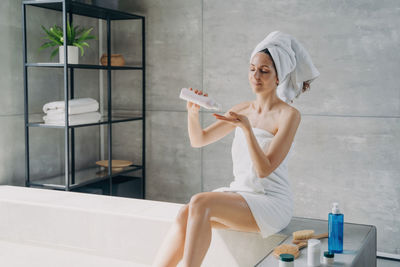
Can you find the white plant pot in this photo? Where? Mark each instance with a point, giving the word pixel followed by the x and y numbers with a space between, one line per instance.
pixel 73 54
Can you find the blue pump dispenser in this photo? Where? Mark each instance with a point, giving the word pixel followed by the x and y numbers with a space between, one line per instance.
pixel 335 223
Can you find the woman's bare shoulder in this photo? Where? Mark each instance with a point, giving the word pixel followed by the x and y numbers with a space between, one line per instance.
pixel 289 112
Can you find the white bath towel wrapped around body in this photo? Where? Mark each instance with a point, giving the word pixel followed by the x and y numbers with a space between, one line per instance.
pixel 270 198
pixel 75 106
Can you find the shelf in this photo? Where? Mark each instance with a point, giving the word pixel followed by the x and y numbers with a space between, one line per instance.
pixel 87 178
pixel 83 177
pixel 83 9
pixel 81 66
pixel 104 120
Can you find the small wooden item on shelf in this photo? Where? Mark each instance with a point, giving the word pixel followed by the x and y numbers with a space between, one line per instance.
pixel 117 165
pixel 116 60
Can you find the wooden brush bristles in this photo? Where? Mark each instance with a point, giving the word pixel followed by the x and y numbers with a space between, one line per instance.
pixel 303 234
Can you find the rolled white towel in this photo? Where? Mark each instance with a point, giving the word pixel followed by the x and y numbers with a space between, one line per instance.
pixel 292 61
pixel 75 106
pixel 59 119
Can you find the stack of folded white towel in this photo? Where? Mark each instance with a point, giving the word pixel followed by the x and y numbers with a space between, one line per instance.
pixel 80 111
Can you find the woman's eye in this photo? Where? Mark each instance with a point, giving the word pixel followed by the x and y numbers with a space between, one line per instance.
pixel 262 71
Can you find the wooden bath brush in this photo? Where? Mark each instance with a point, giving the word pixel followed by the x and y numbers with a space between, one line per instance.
pixel 289 249
pixel 304 235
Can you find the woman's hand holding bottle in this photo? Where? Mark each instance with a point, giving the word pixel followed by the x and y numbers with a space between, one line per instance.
pixel 192 107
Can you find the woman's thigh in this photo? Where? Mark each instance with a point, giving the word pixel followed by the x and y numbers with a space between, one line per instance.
pixel 226 208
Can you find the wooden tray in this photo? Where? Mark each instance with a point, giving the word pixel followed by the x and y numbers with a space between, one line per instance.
pixel 117 165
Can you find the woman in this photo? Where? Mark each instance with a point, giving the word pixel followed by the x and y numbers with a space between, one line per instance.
pixel 259 199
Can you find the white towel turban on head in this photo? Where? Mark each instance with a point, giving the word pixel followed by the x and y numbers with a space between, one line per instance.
pixel 293 63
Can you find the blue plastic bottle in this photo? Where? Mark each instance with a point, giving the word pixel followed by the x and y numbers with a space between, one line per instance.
pixel 335 223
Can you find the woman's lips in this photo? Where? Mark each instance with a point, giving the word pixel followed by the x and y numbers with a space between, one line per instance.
pixel 255 82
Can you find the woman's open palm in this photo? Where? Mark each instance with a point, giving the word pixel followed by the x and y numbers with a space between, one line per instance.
pixel 236 119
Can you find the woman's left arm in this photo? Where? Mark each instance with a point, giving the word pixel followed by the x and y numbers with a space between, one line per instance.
pixel 266 162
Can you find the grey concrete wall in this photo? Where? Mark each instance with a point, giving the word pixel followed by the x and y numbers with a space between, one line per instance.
pixel 347 147
pixel 174 60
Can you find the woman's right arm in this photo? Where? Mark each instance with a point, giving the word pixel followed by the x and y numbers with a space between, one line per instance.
pixel 214 132
pixel 194 127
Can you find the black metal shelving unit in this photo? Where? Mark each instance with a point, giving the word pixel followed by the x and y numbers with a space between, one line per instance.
pixel 74 180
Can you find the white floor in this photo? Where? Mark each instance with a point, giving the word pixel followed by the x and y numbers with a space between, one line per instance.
pixel 388 263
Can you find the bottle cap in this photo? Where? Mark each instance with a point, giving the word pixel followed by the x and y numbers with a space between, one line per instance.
pixel 335 208
pixel 328 254
pixel 286 257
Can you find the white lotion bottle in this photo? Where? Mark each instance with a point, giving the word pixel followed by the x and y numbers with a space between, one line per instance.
pixel 201 100
pixel 314 252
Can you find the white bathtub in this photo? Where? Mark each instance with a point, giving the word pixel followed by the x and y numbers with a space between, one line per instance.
pixel 41 227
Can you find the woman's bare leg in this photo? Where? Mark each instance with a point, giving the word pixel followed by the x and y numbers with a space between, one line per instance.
pixel 171 250
pixel 228 208
pixel 198 238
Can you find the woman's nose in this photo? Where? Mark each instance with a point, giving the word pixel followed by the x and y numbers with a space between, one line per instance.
pixel 256 74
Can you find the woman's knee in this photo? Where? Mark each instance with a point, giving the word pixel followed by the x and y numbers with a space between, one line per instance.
pixel 199 203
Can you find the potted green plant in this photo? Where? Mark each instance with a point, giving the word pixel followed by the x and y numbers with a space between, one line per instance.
pixel 76 39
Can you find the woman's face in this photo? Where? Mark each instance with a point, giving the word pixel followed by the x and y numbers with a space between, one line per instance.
pixel 262 75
